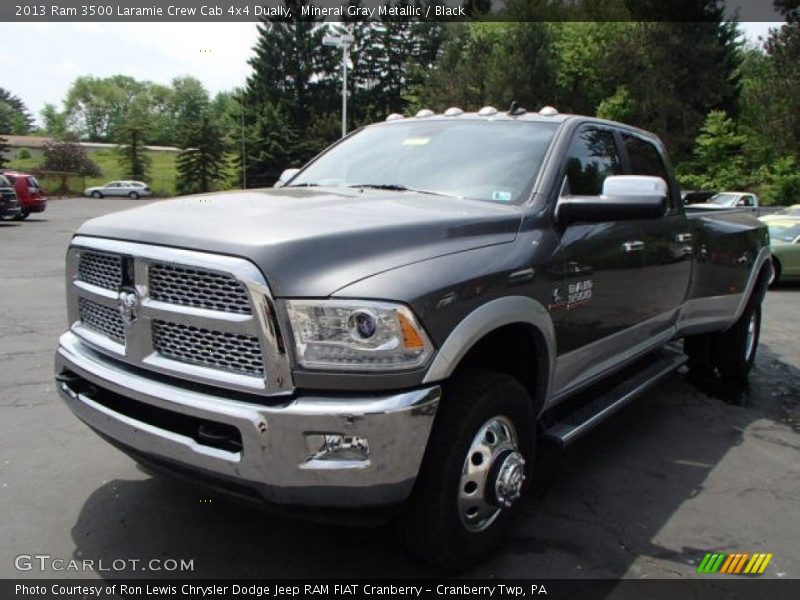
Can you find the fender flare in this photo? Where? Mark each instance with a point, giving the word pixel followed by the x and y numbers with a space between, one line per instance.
pixel 487 318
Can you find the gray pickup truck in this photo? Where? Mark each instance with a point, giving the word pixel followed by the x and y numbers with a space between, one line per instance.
pixel 390 330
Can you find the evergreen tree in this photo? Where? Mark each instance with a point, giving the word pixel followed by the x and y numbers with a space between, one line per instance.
pixel 202 162
pixel 4 128
pixel 131 153
pixel 718 161
pixel 683 70
pixel 291 70
pixel 21 121
pixel 783 51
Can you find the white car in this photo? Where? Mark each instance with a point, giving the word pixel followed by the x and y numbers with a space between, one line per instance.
pixel 725 200
pixel 131 189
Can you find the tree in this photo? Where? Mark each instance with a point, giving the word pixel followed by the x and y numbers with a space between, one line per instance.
pixel 4 149
pixel 20 119
pixel 201 164
pixel 290 86
pixel 493 63
pixel 97 109
pixel 55 123
pixel 131 153
pixel 186 103
pixel 273 145
pixel 68 157
pixel 783 51
pixel 719 155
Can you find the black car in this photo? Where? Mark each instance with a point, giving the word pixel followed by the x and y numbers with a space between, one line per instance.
pixel 9 205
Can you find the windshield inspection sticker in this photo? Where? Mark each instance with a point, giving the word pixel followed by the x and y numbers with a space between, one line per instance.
pixel 501 196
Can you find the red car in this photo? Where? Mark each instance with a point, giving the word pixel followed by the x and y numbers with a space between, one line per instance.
pixel 31 197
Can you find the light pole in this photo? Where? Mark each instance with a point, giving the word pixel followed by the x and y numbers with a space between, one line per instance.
pixel 343 41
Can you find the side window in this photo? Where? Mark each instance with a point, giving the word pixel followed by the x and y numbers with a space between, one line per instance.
pixel 645 159
pixel 592 157
pixel 748 201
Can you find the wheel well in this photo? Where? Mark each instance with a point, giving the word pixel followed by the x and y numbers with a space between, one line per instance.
pixel 762 283
pixel 518 350
pixel 776 264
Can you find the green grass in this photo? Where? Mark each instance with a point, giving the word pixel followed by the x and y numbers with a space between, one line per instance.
pixel 162 174
pixel 161 178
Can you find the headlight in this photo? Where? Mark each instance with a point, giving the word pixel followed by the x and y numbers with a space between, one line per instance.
pixel 357 335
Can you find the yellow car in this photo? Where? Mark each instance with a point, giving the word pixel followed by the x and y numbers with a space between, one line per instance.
pixel 784 235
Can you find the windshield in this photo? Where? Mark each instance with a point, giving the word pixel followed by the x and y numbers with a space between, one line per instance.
pixel 724 199
pixel 4 182
pixel 483 160
pixel 786 231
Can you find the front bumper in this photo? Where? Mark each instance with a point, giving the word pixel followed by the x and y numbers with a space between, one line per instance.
pixel 278 458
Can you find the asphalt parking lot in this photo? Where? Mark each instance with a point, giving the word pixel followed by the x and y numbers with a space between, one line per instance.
pixel 678 473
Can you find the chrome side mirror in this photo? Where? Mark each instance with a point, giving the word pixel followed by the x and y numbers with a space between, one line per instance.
pixel 285 177
pixel 635 185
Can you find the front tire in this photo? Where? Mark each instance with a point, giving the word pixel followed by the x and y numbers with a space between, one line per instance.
pixel 22 216
pixel 476 467
pixel 97 195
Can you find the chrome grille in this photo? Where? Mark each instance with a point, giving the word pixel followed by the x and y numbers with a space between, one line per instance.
pixel 216 349
pixel 199 288
pixel 101 319
pixel 104 270
pixel 228 343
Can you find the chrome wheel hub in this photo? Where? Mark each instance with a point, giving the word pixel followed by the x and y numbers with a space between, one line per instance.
pixel 492 476
pixel 510 477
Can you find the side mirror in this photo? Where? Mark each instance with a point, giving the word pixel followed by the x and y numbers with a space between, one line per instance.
pixel 285 177
pixel 625 197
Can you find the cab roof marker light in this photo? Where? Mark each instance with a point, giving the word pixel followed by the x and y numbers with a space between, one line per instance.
pixel 424 113
pixel 487 111
pixel 453 111
pixel 395 117
pixel 548 111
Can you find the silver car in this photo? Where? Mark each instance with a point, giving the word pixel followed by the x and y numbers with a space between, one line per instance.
pixel 131 189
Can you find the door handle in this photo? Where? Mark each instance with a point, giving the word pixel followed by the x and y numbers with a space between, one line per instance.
pixel 682 238
pixel 635 246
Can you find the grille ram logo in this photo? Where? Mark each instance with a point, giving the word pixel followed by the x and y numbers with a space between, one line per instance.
pixel 128 302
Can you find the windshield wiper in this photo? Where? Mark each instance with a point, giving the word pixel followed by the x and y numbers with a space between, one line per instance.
pixel 303 185
pixel 394 187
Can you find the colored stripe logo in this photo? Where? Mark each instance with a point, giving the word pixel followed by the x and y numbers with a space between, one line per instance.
pixel 740 563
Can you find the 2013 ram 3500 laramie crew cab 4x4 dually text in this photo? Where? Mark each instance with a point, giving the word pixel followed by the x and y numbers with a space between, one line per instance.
pixel 391 327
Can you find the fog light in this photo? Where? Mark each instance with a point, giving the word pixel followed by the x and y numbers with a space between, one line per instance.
pixel 337 446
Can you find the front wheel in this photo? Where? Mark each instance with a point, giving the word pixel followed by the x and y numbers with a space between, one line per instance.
pixel 22 216
pixel 97 195
pixel 476 467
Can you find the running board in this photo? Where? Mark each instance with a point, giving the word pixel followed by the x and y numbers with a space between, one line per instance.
pixel 572 426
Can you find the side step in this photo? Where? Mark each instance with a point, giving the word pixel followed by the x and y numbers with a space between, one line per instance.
pixel 597 409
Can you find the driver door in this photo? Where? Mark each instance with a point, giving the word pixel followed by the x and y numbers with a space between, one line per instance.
pixel 603 289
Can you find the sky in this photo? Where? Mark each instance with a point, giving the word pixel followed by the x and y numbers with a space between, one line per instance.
pixel 38 61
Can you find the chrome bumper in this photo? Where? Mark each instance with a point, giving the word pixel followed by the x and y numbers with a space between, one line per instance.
pixel 279 460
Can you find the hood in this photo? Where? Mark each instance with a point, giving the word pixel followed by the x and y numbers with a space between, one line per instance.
pixel 311 242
